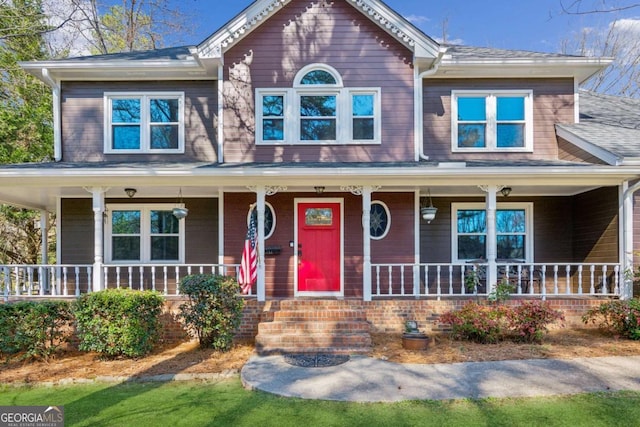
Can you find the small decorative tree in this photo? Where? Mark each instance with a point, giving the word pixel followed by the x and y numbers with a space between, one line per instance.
pixel 213 310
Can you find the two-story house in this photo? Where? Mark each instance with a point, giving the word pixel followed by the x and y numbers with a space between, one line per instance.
pixel 342 126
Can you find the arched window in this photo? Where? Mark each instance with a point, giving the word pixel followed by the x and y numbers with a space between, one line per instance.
pixel 318 109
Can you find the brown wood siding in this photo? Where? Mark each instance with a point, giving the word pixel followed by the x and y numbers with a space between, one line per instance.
pixel 596 226
pixel 571 153
pixel 201 229
pixel 553 103
pixel 83 120
pixel 75 235
pixel 336 35
pixel 551 218
pixel 397 246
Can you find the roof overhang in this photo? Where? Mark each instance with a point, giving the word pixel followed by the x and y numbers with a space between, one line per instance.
pixel 40 188
pixel 101 68
pixel 580 68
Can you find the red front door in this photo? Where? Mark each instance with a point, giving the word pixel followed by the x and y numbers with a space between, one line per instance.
pixel 319 243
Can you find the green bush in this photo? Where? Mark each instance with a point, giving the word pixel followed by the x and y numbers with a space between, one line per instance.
pixel 528 321
pixel 213 310
pixel 118 322
pixel 34 329
pixel 617 317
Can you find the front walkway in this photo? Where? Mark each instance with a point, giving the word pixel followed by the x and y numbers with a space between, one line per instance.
pixel 364 379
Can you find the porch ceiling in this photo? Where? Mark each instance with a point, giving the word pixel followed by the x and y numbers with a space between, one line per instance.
pixel 40 187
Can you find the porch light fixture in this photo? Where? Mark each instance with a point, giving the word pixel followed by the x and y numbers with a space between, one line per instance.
pixel 428 212
pixel 319 190
pixel 180 212
pixel 505 191
pixel 130 192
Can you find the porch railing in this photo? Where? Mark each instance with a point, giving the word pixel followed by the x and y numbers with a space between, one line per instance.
pixel 74 280
pixel 533 279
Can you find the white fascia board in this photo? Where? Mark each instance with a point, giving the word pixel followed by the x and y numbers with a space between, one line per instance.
pixel 581 69
pixel 121 69
pixel 599 152
pixel 163 176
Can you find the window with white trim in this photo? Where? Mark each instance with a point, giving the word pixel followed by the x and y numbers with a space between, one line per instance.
pixel 379 220
pixel 318 109
pixel 143 234
pixel 492 121
pixel 514 231
pixel 144 123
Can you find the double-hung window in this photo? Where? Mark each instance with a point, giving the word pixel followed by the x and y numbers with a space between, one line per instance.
pixel 318 109
pixel 492 121
pixel 143 234
pixel 144 123
pixel 514 228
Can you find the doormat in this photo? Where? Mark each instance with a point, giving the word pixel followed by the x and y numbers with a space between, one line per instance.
pixel 315 360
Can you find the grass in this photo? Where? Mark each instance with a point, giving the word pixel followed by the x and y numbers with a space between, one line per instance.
pixel 226 403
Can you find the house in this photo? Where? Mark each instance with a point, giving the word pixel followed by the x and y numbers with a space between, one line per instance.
pixel 339 123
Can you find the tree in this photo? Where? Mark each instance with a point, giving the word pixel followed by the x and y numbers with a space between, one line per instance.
pixel 620 40
pixel 26 133
pixel 583 7
pixel 133 25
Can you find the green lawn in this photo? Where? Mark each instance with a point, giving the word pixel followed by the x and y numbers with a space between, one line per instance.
pixel 226 403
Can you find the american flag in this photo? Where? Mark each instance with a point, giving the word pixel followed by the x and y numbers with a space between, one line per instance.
pixel 249 263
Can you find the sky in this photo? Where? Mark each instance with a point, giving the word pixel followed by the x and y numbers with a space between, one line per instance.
pixel 535 25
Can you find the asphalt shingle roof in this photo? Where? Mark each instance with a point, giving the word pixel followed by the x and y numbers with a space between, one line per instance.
pixel 609 122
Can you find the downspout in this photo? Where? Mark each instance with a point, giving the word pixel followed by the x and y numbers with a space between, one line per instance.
pixel 418 110
pixel 57 122
pixel 221 114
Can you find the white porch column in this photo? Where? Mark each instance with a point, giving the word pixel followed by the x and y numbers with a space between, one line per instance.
pixel 626 226
pixel 44 230
pixel 366 242
pixel 261 288
pixel 492 240
pixel 98 236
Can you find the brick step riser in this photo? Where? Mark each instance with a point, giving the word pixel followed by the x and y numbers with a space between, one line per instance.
pixel 311 327
pixel 302 342
pixel 313 350
pixel 319 315
pixel 319 305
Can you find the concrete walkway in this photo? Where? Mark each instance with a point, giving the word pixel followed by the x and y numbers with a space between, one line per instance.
pixel 364 379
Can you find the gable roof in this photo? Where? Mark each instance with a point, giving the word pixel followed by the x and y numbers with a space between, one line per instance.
pixel 609 128
pixel 205 60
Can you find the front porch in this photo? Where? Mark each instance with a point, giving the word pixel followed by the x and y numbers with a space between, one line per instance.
pixel 418 281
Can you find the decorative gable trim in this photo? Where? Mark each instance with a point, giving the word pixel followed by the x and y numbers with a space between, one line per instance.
pixel 423 47
pixel 237 28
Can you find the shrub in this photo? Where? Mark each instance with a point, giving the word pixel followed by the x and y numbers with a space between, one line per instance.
pixel 36 329
pixel 213 310
pixel 528 321
pixel 119 322
pixel 501 292
pixel 477 322
pixel 617 317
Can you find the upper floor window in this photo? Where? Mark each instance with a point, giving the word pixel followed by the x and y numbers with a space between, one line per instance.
pixel 492 121
pixel 144 123
pixel 318 110
pixel 514 231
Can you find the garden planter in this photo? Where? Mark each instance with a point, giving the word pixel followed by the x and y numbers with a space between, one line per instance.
pixel 415 341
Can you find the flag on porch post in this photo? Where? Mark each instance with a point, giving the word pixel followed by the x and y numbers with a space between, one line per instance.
pixel 249 262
